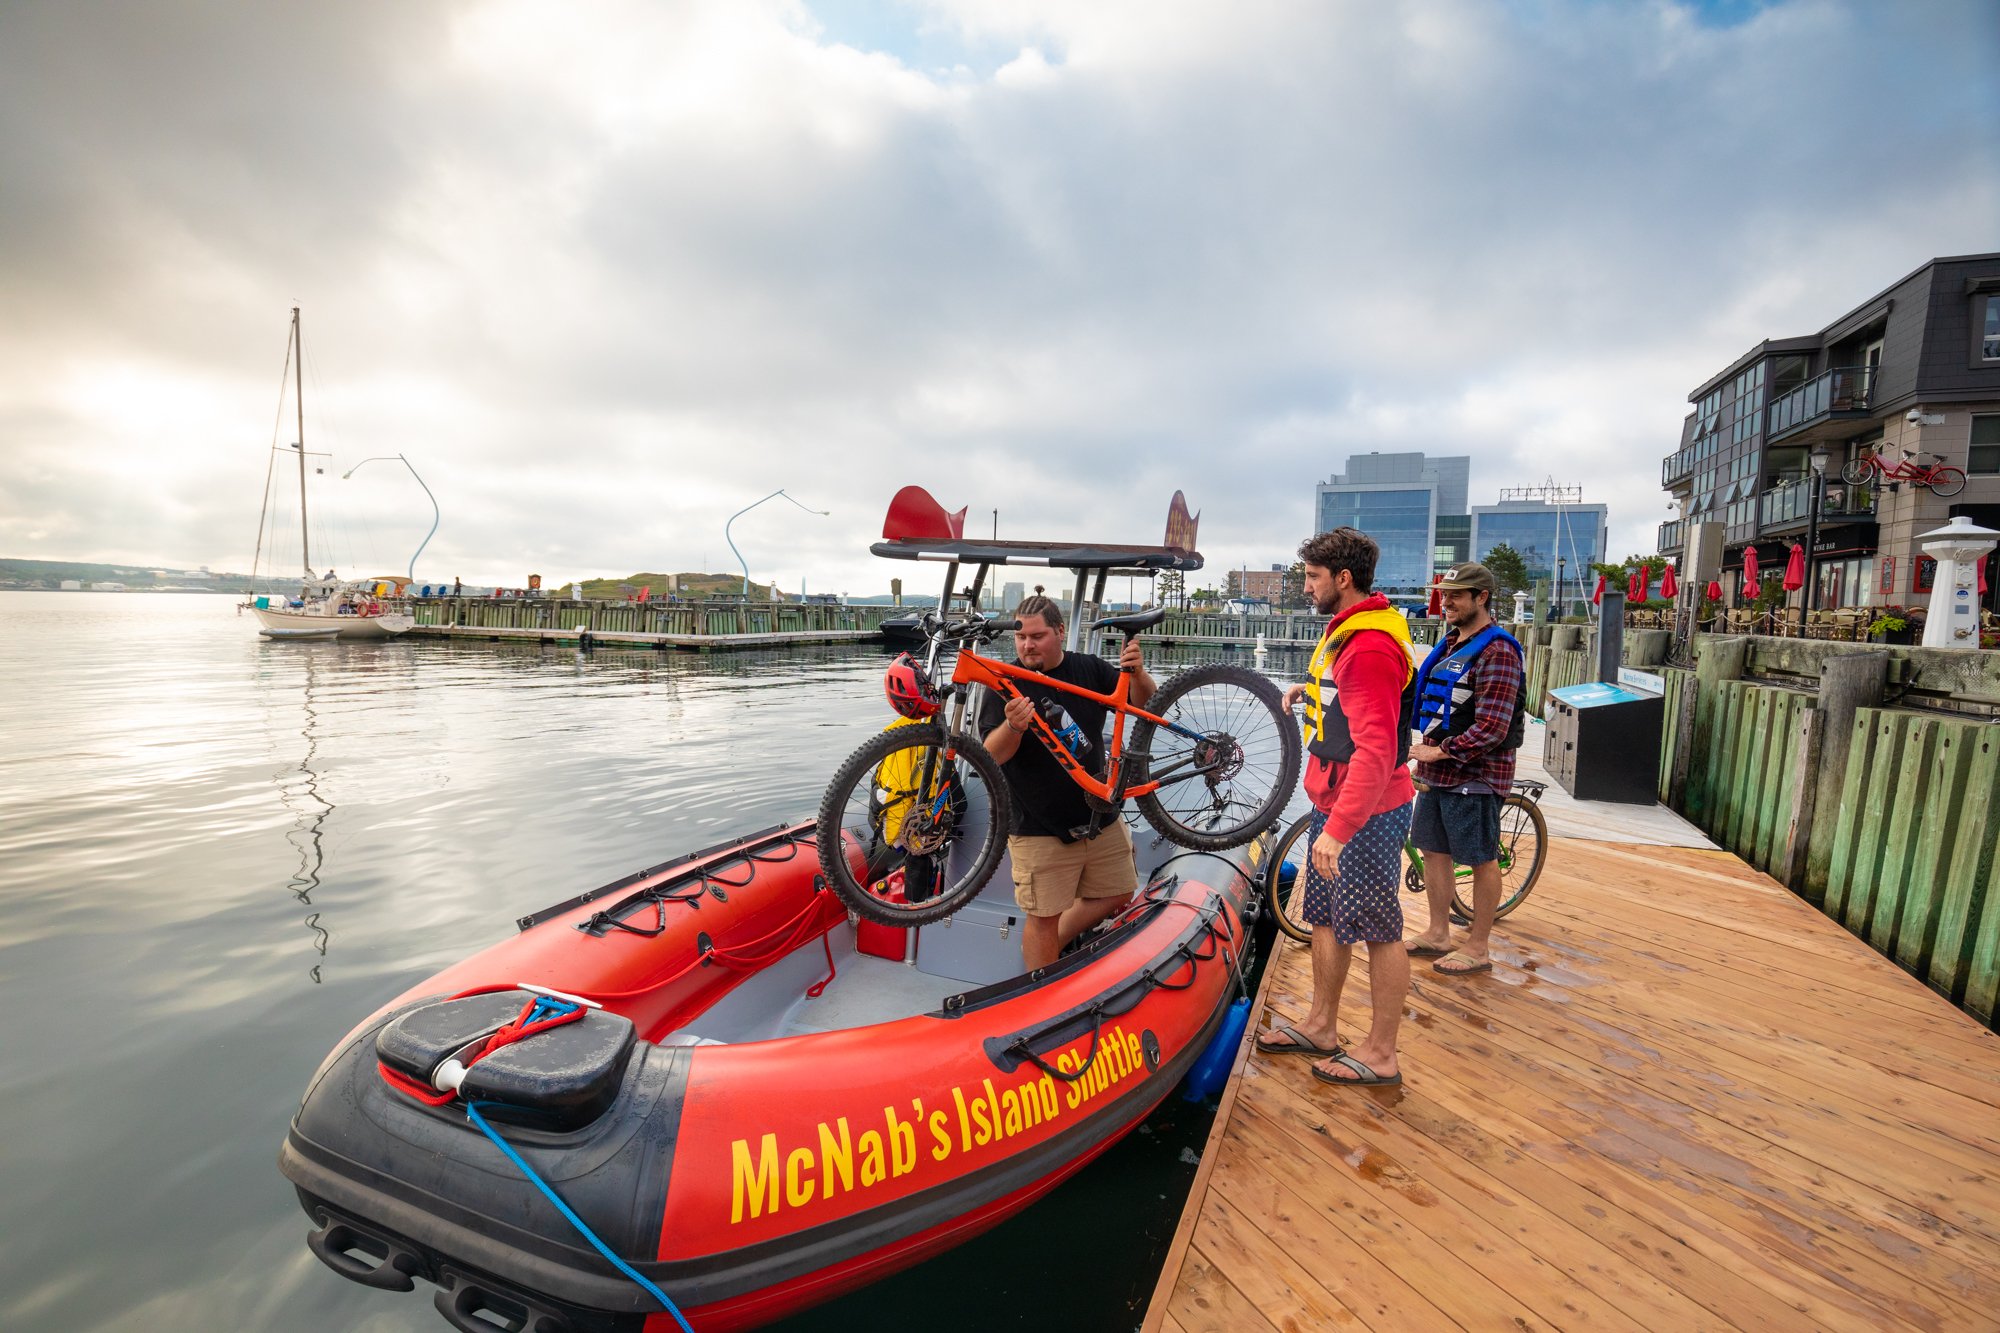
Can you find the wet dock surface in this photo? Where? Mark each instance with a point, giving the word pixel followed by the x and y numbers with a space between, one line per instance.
pixel 1682 1099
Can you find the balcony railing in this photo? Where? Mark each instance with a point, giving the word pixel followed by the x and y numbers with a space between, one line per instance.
pixel 1791 502
pixel 1671 537
pixel 1846 389
pixel 1677 467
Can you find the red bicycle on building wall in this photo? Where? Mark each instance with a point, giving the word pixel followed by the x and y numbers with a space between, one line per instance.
pixel 1869 468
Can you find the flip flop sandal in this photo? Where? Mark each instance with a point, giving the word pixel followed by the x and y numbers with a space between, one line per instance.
pixel 1428 950
pixel 1474 965
pixel 1298 1045
pixel 1364 1077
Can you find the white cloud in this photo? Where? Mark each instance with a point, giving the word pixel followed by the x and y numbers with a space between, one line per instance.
pixel 608 274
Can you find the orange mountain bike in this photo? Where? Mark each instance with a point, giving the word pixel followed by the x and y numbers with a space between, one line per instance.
pixel 1210 765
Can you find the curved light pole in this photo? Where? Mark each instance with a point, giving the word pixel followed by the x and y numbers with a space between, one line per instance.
pixel 436 515
pixel 746 509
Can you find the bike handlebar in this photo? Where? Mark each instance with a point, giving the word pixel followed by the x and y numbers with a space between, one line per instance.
pixel 972 627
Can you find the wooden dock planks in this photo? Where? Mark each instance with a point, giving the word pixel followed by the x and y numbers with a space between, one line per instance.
pixel 1683 1099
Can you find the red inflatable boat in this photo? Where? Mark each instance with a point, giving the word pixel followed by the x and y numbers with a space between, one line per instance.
pixel 753 1100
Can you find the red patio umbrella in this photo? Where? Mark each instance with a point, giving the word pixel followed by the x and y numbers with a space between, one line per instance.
pixel 1752 585
pixel 1437 596
pixel 1982 578
pixel 1632 593
pixel 1597 596
pixel 1795 569
pixel 1645 584
pixel 1715 590
pixel 1670 587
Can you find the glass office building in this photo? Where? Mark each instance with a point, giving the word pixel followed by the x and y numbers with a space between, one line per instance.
pixel 1540 532
pixel 1401 522
pixel 1412 505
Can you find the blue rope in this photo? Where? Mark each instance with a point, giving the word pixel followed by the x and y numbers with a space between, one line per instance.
pixel 472 1110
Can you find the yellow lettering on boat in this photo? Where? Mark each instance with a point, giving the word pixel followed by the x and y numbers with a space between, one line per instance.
pixel 874 1167
pixel 836 1156
pixel 759 1183
pixel 799 1187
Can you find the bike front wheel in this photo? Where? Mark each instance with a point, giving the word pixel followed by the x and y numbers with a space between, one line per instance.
pixel 1285 880
pixel 930 814
pixel 1857 471
pixel 1227 763
pixel 1524 846
pixel 1947 481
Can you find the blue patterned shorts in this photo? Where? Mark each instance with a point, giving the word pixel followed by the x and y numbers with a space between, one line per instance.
pixel 1361 904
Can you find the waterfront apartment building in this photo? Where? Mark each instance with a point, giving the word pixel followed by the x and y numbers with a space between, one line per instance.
pixel 1413 506
pixel 1551 529
pixel 1915 367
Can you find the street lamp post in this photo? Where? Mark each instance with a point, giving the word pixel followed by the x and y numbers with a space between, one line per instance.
pixel 746 509
pixel 1819 458
pixel 1562 564
pixel 436 514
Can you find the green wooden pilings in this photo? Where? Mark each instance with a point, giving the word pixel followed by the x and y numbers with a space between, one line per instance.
pixel 1915 867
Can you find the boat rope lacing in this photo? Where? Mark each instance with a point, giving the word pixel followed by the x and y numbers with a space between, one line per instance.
pixel 1214 936
pixel 688 889
pixel 751 955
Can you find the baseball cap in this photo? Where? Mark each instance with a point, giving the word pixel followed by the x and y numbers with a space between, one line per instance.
pixel 1470 577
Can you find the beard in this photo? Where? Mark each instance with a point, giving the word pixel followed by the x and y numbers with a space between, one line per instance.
pixel 1325 605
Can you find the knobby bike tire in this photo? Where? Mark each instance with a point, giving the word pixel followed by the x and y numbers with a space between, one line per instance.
pixel 1238 797
pixel 1946 481
pixel 1287 897
pixel 857 775
pixel 1857 471
pixel 1518 816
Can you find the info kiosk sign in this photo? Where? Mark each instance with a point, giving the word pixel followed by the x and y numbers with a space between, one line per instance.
pixel 1603 740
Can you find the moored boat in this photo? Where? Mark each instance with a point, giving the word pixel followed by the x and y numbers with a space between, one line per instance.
pixel 346 608
pixel 758 1102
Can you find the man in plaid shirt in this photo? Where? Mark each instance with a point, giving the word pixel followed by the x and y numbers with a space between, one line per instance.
pixel 1469 717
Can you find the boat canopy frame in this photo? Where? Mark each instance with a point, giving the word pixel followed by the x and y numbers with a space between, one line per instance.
pixel 1091 564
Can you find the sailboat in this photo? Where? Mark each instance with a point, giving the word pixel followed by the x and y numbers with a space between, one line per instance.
pixel 325 607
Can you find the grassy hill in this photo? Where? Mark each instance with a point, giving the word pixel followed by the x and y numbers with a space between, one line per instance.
pixel 692 587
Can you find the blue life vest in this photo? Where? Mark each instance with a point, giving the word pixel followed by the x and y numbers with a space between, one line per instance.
pixel 1444 696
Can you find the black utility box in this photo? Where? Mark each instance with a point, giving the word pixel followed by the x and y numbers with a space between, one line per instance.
pixel 1604 742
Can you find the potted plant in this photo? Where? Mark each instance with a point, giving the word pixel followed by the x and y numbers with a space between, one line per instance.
pixel 1889 627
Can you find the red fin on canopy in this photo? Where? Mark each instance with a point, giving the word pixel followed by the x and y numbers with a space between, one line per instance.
pixel 913 513
pixel 1180 525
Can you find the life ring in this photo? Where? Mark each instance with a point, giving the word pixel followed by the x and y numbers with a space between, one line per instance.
pixel 374 609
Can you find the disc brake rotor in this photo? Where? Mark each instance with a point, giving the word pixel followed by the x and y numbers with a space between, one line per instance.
pixel 1218 757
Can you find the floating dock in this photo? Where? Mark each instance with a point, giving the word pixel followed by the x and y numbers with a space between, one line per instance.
pixel 693 643
pixel 1683 1099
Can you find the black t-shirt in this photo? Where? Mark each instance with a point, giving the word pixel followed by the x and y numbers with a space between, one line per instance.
pixel 1046 803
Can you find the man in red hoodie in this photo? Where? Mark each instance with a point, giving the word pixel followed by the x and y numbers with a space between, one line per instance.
pixel 1359 698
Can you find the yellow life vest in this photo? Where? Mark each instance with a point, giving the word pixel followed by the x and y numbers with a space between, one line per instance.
pixel 1325 725
pixel 896 782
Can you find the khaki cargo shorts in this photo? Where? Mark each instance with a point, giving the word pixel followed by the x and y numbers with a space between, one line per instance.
pixel 1050 874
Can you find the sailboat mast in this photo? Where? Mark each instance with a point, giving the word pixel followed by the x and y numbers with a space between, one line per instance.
pixel 299 396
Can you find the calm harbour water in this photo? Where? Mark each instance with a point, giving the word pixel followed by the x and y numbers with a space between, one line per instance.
pixel 218 853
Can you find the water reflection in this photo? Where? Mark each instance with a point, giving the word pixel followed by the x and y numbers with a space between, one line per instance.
pixel 299 790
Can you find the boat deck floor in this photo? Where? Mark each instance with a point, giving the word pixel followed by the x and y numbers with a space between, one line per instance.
pixel 1682 1099
pixel 869 990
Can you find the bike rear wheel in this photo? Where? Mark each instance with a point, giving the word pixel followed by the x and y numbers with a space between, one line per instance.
pixel 1946 481
pixel 1227 773
pixel 1284 880
pixel 1524 846
pixel 931 816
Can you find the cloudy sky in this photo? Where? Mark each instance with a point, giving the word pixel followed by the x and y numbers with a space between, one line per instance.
pixel 608 272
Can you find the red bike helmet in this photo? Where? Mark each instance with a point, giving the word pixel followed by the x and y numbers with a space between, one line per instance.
pixel 909 689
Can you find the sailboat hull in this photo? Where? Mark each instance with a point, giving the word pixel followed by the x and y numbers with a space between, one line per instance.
pixel 347 627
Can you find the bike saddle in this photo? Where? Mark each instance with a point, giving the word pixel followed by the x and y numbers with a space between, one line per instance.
pixel 1132 624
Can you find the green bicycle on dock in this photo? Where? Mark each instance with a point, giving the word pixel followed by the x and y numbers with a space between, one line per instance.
pixel 1524 846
